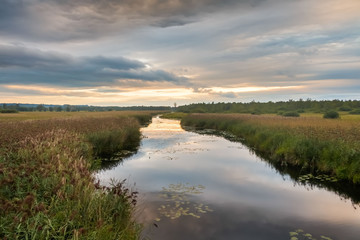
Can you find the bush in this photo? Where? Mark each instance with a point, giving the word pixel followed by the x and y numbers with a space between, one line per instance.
pixel 291 114
pixel 331 115
pixel 8 111
pixel 355 111
pixel 345 109
pixel 256 112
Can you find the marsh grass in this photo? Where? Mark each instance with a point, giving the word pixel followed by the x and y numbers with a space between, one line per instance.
pixel 108 144
pixel 21 116
pixel 48 192
pixel 319 145
pixel 174 115
pixel 47 187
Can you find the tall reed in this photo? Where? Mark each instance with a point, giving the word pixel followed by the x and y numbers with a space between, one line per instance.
pixel 47 188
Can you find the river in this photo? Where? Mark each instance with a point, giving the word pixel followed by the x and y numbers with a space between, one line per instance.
pixel 195 186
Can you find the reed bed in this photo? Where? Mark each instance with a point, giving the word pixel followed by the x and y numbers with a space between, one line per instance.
pixel 13 132
pixel 319 145
pixel 47 187
pixel 21 116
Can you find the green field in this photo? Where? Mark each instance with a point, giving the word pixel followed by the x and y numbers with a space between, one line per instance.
pixel 47 187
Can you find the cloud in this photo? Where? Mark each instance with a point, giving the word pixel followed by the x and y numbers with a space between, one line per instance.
pixel 21 65
pixel 340 74
pixel 230 43
pixel 62 20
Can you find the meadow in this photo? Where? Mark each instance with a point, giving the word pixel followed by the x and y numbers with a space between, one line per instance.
pixel 314 144
pixel 47 187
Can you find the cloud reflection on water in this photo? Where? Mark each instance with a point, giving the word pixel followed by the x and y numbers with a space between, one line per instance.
pixel 250 199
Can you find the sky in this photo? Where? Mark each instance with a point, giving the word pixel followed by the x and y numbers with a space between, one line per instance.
pixel 161 52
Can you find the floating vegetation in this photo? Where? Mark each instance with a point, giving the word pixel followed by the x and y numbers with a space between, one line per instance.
pixel 178 202
pixel 321 178
pixel 300 234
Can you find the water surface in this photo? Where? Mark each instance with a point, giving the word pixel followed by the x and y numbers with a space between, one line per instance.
pixel 205 187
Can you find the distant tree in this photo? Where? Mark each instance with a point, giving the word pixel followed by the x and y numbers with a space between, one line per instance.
pixel 67 108
pixel 58 109
pixel 41 108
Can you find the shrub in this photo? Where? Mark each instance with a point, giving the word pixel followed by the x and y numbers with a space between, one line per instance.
pixel 331 115
pixel 345 109
pixel 291 114
pixel 355 111
pixel 8 111
pixel 256 112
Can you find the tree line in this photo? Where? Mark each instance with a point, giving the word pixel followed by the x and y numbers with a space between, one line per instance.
pixel 17 107
pixel 282 107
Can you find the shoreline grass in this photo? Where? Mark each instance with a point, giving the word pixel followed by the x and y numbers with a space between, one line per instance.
pixel 319 145
pixel 47 187
pixel 174 115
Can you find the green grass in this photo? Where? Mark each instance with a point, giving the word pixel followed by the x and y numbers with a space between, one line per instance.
pixel 174 115
pixel 319 145
pixel 47 188
pixel 107 144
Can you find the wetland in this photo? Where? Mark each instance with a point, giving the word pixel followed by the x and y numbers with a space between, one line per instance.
pixel 204 186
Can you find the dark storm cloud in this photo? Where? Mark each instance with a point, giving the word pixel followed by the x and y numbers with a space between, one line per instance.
pixel 60 20
pixel 21 65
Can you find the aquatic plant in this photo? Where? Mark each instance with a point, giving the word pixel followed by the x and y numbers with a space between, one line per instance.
pixel 320 177
pixel 178 202
pixel 300 234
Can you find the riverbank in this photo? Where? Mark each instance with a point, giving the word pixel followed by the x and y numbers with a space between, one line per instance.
pixel 316 145
pixel 47 187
